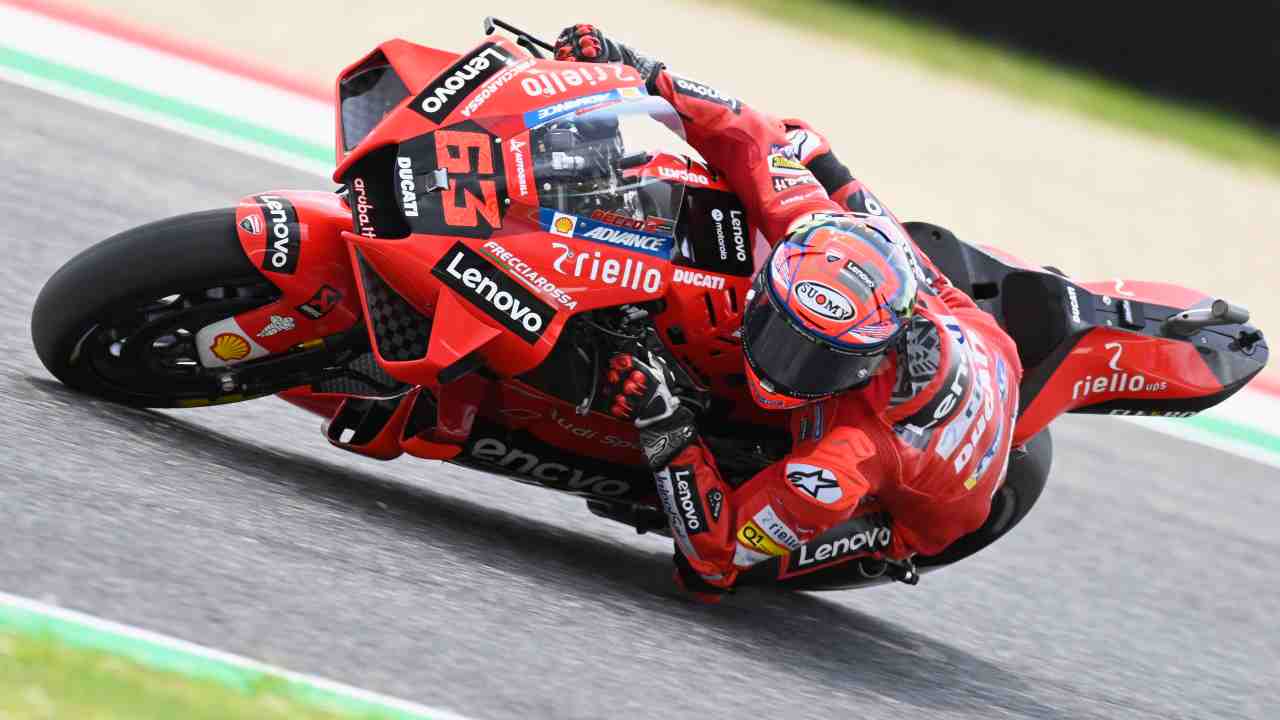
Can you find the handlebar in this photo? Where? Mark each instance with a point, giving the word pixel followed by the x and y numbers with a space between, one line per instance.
pixel 523 39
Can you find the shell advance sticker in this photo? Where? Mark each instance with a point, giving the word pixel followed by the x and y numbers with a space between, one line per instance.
pixel 576 226
pixel 534 118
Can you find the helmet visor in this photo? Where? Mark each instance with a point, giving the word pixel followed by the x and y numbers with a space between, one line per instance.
pixel 793 362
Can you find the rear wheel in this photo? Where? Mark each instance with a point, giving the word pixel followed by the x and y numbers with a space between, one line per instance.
pixel 1028 473
pixel 119 320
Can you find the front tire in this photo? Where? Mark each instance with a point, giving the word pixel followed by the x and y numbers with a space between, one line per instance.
pixel 118 320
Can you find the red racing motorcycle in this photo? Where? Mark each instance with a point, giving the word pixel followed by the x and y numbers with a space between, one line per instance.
pixel 505 223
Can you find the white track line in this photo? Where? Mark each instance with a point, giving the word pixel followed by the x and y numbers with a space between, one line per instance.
pixel 72 617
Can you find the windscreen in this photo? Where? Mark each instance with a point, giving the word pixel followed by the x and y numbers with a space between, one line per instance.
pixel 591 159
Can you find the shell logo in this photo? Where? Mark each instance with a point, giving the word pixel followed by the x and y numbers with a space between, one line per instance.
pixel 563 225
pixel 229 346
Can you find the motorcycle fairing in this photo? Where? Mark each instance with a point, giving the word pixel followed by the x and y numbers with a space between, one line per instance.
pixel 1087 352
pixel 500 92
pixel 496 448
pixel 370 88
pixel 435 224
pixel 296 238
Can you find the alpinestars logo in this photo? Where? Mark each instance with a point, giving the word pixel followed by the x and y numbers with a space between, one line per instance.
pixel 482 284
pixel 818 483
pixel 446 92
pixel 283 241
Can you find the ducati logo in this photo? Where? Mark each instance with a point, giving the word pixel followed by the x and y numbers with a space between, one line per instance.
pixel 252 225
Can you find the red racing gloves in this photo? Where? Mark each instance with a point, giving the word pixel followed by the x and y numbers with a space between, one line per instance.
pixel 586 43
pixel 638 390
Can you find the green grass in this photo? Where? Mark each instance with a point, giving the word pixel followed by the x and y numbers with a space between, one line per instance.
pixel 1218 134
pixel 41 678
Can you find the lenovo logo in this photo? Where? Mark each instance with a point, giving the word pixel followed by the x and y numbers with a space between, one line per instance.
pixel 283 242
pixel 446 92
pixel 482 284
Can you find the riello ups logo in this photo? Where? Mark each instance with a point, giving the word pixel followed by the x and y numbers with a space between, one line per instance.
pixel 497 295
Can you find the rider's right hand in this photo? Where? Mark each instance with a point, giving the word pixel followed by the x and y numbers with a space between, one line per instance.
pixel 587 43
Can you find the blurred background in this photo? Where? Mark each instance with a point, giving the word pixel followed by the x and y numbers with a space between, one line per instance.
pixel 1113 140
pixel 1219 55
pixel 1108 139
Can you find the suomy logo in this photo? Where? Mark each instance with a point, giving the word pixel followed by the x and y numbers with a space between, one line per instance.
pixel 823 300
pixel 447 91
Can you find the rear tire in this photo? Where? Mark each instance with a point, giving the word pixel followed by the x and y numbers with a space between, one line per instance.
pixel 1028 473
pixel 190 253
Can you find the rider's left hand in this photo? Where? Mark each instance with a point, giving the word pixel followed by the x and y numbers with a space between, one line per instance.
pixel 639 390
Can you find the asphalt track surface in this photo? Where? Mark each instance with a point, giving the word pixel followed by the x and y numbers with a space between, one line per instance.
pixel 1143 585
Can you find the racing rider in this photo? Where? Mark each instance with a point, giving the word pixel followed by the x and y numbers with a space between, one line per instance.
pixel 902 393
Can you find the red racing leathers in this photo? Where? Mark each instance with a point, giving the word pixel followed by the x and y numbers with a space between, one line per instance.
pixel 927 441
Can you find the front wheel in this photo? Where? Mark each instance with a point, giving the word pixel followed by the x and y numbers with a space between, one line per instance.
pixel 119 320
